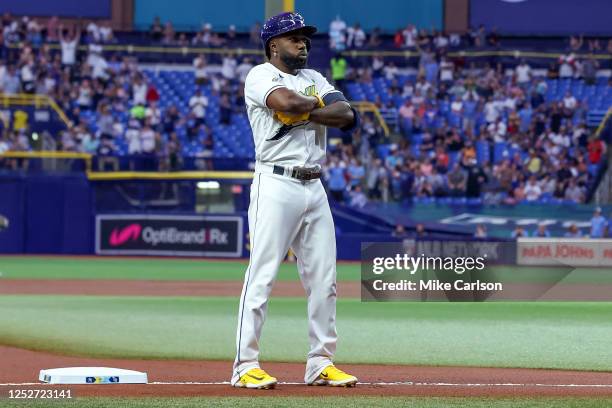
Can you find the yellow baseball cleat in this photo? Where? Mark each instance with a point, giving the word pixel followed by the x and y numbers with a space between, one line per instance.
pixel 335 377
pixel 256 378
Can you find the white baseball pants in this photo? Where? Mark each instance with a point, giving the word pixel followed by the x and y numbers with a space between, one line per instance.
pixel 285 212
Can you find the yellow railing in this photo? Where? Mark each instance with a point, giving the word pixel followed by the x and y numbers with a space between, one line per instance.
pixel 130 49
pixel 603 122
pixel 44 154
pixel 363 107
pixel 38 101
pixel 483 53
pixel 175 175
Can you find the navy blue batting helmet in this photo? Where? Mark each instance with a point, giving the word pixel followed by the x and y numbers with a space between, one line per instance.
pixel 283 23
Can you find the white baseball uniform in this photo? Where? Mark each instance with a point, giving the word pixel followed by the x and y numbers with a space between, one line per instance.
pixel 287 213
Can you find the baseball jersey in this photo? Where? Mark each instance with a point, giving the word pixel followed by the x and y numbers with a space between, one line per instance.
pixel 300 144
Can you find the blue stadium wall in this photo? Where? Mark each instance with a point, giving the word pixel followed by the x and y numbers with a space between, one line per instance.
pixel 190 14
pixel 61 8
pixel 389 14
pixel 57 215
pixel 552 17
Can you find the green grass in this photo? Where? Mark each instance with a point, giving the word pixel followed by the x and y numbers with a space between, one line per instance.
pixel 142 269
pixel 189 269
pixel 336 402
pixel 539 335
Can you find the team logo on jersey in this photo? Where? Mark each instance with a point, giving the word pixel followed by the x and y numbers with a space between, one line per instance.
pixel 310 90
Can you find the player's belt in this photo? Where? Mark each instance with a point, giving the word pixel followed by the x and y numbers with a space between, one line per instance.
pixel 300 173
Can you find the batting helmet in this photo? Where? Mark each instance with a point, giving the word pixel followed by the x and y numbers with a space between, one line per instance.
pixel 284 23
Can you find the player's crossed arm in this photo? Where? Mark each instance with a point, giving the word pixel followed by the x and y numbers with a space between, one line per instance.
pixel 292 107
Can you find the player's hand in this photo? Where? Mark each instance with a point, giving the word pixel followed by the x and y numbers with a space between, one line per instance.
pixel 291 118
pixel 320 102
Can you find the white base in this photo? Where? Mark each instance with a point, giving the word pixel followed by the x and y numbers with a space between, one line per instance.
pixel 91 375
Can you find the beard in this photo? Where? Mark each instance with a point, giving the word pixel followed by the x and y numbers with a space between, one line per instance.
pixel 292 62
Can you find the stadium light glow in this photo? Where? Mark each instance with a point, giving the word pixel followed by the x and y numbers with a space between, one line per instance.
pixel 208 185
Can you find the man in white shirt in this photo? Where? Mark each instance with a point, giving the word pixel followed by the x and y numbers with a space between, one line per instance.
pixel 69 46
pixel 198 104
pixel 243 69
pixel 289 109
pixel 523 74
pixel 228 67
pixel 139 91
pixel 359 36
pixel 532 190
pixel 200 70
pixel 569 102
pixel 410 35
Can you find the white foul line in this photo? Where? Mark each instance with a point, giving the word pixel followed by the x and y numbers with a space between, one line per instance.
pixel 407 383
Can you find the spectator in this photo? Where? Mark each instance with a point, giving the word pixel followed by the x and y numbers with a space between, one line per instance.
pixel 156 31
pixel 457 181
pixel 375 40
pixel 481 231
pixel 336 179
pixel 230 37
pixel 338 69
pixel 139 91
pixel 399 232
pixel 12 82
pixel 596 148
pixel 573 232
pixel 168 34
pixel 573 192
pixel 566 68
pixel 589 70
pixel 200 70
pixel 52 29
pixel 337 37
pixel 532 190
pixel 225 109
pixel 541 231
pixel 598 224
pixel 228 67
pixel 198 104
pixel 410 35
pixel 69 44
pixel 420 231
pixel 355 172
pixel 254 33
pixel 357 198
pixel 475 180
pixel 170 120
pixel 523 74
pixel 153 115
pixel 243 69
pixel 519 232
pixel 106 34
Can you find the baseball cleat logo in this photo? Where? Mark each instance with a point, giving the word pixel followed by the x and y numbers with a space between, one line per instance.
pixel 119 237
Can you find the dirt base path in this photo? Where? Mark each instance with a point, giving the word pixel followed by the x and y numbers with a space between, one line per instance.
pixel 19 369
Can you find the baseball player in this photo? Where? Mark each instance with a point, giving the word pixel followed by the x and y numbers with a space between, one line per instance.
pixel 289 108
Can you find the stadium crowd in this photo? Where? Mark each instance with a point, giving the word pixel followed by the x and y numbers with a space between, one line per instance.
pixel 450 118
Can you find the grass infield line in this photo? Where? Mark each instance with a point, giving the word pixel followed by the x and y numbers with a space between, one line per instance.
pixel 400 383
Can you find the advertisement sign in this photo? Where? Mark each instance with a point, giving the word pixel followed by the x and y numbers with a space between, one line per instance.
pixel 564 251
pixel 214 236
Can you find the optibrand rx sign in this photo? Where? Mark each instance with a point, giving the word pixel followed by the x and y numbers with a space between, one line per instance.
pixel 175 235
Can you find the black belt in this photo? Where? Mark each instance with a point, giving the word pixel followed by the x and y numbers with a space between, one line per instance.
pixel 300 173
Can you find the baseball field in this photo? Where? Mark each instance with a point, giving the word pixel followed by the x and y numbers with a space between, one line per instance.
pixel 176 318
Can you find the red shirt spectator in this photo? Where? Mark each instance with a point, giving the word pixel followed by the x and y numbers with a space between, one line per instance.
pixel 596 148
pixel 152 94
